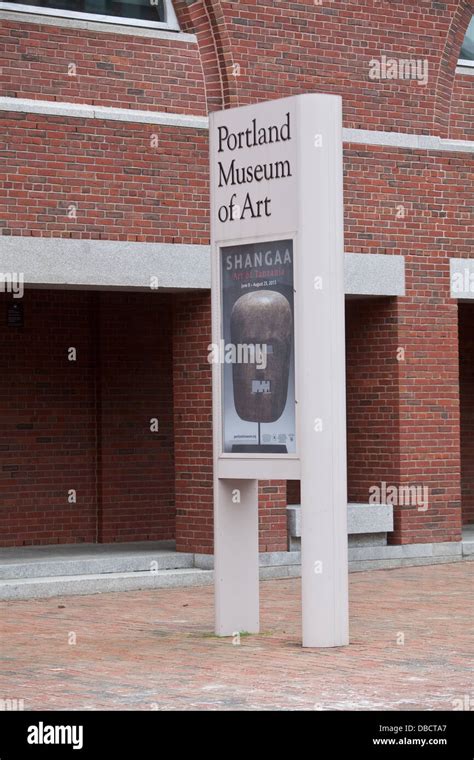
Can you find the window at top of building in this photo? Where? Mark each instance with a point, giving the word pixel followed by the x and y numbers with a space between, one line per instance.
pixel 137 12
pixel 466 56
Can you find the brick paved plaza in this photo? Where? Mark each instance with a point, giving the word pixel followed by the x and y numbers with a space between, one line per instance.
pixel 411 648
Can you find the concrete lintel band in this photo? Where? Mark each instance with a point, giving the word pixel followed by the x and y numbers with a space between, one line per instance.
pixel 107 264
pixel 404 140
pixel 356 136
pixel 374 274
pixel 86 111
pixel 97 26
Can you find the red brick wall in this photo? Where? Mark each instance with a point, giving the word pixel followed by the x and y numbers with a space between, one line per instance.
pixel 272 516
pixel 135 376
pixel 47 422
pixel 84 425
pixel 466 377
pixel 109 69
pixel 429 414
pixel 122 187
pixel 418 204
pixel 126 188
pixel 409 202
pixel 208 20
pixel 402 413
pixel 403 416
pixel 462 108
pixel 192 404
pixel 323 48
pixel 373 441
pixel 285 49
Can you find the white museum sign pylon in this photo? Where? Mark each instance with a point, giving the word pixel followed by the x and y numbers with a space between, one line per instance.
pixel 278 350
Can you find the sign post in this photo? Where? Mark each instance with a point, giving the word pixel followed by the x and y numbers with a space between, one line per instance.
pixel 278 350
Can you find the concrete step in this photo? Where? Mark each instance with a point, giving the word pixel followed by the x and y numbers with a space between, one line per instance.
pixel 42 587
pixel 94 559
pixel 468 547
pixel 67 585
pixel 145 561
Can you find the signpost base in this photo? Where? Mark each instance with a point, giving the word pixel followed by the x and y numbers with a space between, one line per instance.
pixel 236 557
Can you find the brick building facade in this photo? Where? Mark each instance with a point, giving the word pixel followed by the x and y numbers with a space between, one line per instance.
pixel 104 153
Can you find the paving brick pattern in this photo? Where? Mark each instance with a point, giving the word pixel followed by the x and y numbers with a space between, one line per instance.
pixel 155 650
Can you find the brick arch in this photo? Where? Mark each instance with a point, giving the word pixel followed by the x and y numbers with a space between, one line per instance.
pixel 206 19
pixel 447 66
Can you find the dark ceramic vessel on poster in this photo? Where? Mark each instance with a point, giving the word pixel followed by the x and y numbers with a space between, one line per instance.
pixel 262 318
